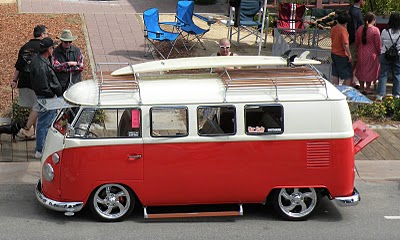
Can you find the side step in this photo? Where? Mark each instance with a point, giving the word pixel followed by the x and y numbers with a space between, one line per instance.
pixel 194 214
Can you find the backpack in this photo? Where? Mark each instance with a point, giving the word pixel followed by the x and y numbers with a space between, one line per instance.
pixel 392 53
pixel 27 56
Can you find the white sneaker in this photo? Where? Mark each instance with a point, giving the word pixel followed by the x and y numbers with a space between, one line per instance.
pixel 38 155
pixel 379 98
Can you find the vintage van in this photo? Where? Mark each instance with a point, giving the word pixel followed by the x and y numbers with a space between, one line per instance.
pixel 252 130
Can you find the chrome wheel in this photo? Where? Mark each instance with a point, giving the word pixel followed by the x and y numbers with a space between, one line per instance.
pixel 112 202
pixel 295 203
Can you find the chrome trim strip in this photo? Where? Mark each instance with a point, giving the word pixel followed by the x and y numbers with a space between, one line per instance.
pixel 350 200
pixel 55 205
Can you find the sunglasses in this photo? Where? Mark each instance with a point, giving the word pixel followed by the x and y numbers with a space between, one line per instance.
pixel 67 41
pixel 223 47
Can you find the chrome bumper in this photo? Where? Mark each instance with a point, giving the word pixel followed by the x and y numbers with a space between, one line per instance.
pixel 70 207
pixel 350 200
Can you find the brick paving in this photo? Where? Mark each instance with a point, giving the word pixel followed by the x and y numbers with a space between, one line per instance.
pixel 114 33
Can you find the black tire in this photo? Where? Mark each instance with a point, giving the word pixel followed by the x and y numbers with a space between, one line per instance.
pixel 112 202
pixel 295 204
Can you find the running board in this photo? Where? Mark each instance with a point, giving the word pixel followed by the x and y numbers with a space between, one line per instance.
pixel 194 214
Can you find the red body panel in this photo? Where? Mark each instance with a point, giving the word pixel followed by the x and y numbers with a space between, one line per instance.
pixel 209 172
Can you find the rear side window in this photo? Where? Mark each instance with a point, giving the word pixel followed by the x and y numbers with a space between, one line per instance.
pixel 169 121
pixel 109 123
pixel 216 120
pixel 263 119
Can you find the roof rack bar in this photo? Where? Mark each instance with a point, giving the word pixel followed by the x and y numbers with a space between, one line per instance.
pixel 271 77
pixel 109 83
pixel 136 75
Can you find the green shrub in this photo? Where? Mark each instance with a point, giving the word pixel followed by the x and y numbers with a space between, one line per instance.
pixel 388 108
pixel 21 114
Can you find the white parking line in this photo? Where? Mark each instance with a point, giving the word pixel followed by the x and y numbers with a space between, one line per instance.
pixel 393 217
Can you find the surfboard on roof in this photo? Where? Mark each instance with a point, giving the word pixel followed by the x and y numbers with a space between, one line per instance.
pixel 211 62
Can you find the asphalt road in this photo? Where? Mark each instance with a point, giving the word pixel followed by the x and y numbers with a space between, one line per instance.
pixel 22 217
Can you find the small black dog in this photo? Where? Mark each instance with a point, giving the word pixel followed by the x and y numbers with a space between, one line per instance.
pixel 12 128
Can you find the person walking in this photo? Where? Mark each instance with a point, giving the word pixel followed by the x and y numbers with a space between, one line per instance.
pixel 21 79
pixel 389 37
pixel 68 60
pixel 46 85
pixel 340 52
pixel 369 49
pixel 356 21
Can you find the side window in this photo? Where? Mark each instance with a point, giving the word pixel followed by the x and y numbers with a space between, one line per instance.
pixel 216 120
pixel 169 121
pixel 109 123
pixel 64 119
pixel 267 119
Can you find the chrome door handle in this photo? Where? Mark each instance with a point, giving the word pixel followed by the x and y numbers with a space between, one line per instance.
pixel 135 157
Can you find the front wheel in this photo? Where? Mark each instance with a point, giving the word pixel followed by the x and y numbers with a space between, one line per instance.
pixel 295 203
pixel 112 202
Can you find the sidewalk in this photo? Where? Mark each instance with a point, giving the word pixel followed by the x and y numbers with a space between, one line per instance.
pixel 370 171
pixel 114 32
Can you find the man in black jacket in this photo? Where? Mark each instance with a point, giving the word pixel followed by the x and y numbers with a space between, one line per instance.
pixel 46 85
pixel 356 21
pixel 68 60
pixel 21 78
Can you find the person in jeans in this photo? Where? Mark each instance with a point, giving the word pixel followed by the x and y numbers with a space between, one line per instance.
pixel 46 85
pixel 340 52
pixel 21 79
pixel 387 66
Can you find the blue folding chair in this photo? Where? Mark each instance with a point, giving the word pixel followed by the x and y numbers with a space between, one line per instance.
pixel 241 18
pixel 156 39
pixel 184 19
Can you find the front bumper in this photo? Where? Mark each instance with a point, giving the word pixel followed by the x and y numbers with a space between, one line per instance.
pixel 350 200
pixel 55 205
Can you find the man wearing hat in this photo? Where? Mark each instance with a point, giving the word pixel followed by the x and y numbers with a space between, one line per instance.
pixel 67 60
pixel 21 78
pixel 46 85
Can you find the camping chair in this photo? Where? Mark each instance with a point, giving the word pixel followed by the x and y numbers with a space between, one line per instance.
pixel 157 39
pixel 189 30
pixel 290 20
pixel 241 18
pixel 291 16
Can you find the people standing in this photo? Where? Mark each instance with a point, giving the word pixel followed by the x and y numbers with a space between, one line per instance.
pixel 21 79
pixel 356 21
pixel 369 49
pixel 389 36
pixel 68 60
pixel 341 57
pixel 46 86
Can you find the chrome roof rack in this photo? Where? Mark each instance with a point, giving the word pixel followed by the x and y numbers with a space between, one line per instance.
pixel 300 77
pixel 108 83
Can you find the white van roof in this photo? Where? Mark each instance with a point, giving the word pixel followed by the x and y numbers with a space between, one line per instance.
pixel 264 84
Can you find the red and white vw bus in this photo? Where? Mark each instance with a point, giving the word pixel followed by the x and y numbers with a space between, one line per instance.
pixel 271 135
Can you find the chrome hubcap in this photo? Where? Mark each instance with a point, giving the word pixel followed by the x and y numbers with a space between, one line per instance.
pixel 297 202
pixel 112 201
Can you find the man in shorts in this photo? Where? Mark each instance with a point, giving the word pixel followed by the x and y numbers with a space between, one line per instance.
pixel 340 52
pixel 21 79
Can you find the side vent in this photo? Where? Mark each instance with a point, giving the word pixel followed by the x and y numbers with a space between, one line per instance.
pixel 318 154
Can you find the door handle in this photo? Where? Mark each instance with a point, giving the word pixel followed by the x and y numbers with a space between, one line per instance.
pixel 135 157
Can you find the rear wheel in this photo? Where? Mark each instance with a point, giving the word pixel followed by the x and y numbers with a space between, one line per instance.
pixel 295 203
pixel 112 202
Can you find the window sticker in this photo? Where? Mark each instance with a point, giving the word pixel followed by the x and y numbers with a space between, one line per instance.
pixel 135 118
